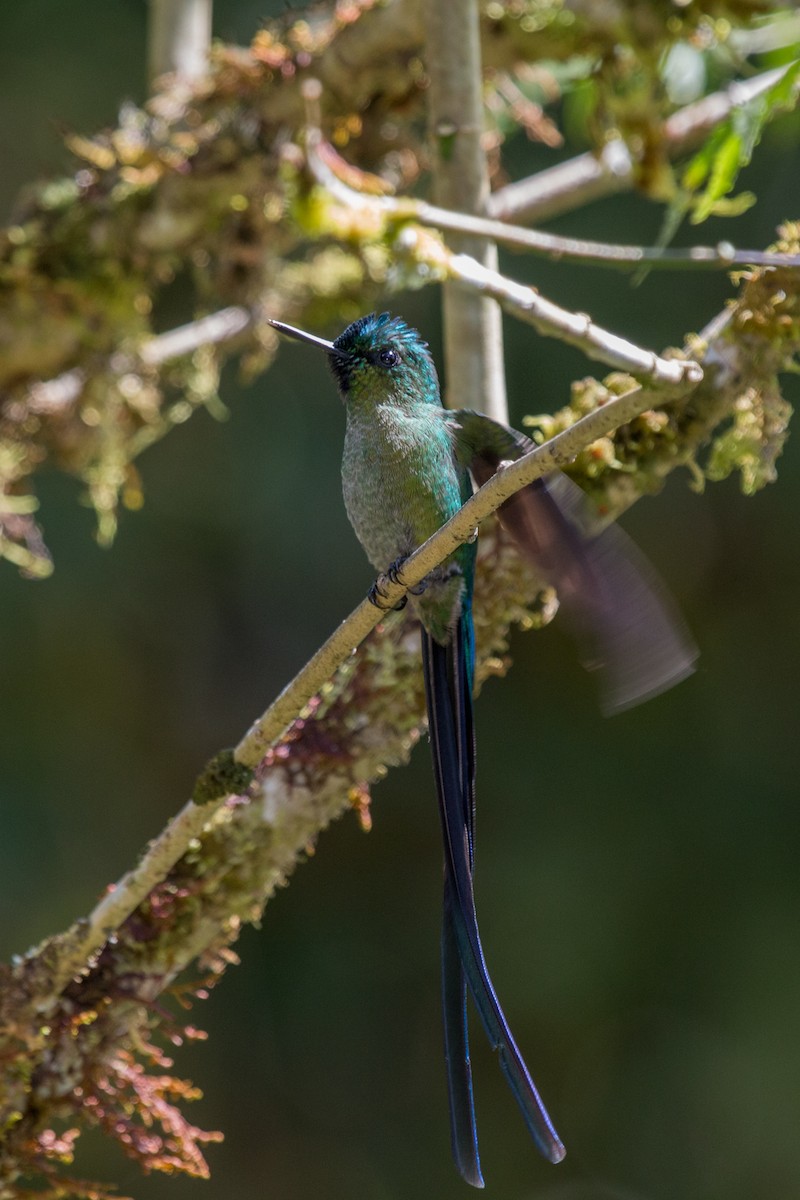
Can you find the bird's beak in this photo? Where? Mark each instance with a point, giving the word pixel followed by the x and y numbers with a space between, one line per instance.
pixel 302 336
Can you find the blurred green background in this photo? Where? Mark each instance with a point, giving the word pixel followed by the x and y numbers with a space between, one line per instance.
pixel 637 878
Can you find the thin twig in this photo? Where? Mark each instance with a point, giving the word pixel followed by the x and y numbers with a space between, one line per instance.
pixel 217 327
pixel 522 301
pixel 590 253
pixel 599 254
pixel 588 177
pixel 528 304
pixel 473 332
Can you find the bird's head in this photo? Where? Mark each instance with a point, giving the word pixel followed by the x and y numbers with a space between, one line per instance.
pixel 377 358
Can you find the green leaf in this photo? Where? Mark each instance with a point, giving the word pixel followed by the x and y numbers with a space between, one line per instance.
pixel 697 169
pixel 724 170
pixel 717 164
pixel 580 106
pixel 784 93
pixel 734 206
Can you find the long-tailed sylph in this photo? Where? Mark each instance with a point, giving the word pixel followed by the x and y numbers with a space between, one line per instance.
pixel 408 466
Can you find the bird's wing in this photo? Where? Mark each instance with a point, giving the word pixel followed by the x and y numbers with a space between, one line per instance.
pixel 626 624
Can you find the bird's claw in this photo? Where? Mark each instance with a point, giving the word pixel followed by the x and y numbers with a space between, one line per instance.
pixel 394 569
pixel 376 594
pixel 394 574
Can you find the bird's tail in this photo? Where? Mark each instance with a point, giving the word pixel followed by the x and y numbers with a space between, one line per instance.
pixel 448 682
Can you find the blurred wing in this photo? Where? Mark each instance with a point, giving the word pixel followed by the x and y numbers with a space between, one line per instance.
pixel 628 628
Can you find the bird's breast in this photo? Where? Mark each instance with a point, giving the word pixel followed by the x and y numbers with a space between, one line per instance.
pixel 399 479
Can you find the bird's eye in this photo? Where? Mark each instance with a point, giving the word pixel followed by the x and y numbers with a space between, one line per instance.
pixel 388 357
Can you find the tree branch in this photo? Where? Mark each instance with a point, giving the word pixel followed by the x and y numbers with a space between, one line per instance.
pixel 590 253
pixel 427 252
pixel 577 329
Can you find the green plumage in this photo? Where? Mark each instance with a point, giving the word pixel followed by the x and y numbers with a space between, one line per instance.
pixel 400 476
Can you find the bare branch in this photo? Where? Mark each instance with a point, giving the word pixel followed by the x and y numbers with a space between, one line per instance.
pixel 217 327
pixel 523 301
pixel 577 329
pixel 596 254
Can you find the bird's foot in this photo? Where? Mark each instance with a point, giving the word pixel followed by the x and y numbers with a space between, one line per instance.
pixel 394 569
pixel 376 594
pixel 393 573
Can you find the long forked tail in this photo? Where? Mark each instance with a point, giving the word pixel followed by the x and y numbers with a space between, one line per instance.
pixel 448 684
pixel 463 1129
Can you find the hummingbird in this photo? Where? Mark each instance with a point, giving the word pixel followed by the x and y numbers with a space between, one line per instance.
pixel 408 465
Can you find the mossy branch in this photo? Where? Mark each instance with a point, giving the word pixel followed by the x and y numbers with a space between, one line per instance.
pixel 346 723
